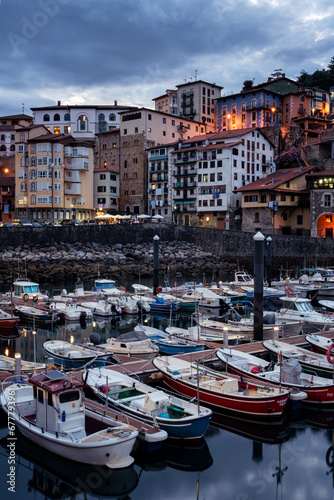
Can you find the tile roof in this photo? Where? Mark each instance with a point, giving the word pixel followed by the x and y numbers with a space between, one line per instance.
pixel 275 180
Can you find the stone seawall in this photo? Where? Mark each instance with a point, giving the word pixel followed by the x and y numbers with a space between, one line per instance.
pixel 121 250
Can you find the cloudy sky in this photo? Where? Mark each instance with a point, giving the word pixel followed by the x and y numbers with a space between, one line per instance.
pixel 93 52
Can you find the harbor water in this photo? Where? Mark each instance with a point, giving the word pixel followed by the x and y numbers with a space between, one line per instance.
pixel 238 459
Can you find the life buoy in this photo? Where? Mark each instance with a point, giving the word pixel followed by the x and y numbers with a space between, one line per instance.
pixel 25 297
pixel 52 367
pixel 288 291
pixel 330 358
pixel 329 457
pixel 159 289
pixel 123 289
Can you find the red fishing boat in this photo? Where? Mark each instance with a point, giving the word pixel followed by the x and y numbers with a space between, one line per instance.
pixel 288 373
pixel 222 391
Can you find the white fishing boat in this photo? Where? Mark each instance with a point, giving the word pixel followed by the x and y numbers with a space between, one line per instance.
pixel 27 292
pixel 205 298
pixel 178 417
pixel 102 308
pixel 7 364
pixel 301 309
pixel 108 288
pixel 50 411
pixel 72 311
pixel 134 343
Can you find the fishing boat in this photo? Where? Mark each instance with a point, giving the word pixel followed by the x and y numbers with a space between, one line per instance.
pixel 311 362
pixel 36 314
pixel 220 391
pixel 102 308
pixel 134 343
pixel 72 311
pixel 50 411
pixel 205 298
pixel 8 320
pixel 319 343
pixel 178 345
pixel 327 304
pixel 26 291
pixel 195 333
pixel 7 364
pixel 108 287
pixel 178 417
pixel 125 304
pixel 301 309
pixel 74 356
pixel 162 305
pixel 311 388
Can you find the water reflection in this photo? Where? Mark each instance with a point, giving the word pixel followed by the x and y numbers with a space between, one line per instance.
pixel 56 477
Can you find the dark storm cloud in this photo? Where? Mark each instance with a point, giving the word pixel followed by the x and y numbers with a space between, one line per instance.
pixel 138 48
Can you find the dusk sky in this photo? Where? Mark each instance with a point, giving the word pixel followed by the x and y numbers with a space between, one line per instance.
pixel 95 52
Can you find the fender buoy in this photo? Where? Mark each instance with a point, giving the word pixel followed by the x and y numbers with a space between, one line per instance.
pixel 288 291
pixel 329 457
pixel 159 289
pixel 330 358
pixel 25 297
pixel 35 298
pixel 123 289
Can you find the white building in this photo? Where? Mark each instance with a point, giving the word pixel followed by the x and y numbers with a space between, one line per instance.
pixel 208 169
pixel 81 121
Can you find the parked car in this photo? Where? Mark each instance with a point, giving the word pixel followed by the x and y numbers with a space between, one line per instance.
pixel 71 222
pixel 89 222
pixel 8 224
pixel 37 224
pixel 22 222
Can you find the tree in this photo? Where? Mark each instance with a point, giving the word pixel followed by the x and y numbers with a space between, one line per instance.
pixel 331 67
pixel 304 79
pixel 289 158
pixel 247 85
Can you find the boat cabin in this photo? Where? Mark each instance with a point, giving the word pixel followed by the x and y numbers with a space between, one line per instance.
pixel 105 284
pixel 299 304
pixel 59 403
pixel 27 290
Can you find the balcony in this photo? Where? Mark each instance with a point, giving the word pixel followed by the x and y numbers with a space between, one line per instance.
pixel 188 112
pixel 188 93
pixel 185 103
pixel 77 164
pixel 185 173
pixel 192 158
pixel 184 185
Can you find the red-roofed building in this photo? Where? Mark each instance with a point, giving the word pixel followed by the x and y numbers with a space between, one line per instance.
pixel 321 187
pixel 278 203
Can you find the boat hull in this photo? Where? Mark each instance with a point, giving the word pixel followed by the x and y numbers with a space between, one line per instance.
pixel 116 455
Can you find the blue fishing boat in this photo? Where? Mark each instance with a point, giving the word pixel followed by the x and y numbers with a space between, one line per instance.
pixel 74 356
pixel 174 345
pixel 160 305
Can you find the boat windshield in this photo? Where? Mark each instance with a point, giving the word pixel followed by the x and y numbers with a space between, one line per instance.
pixel 66 397
pixel 106 286
pixel 304 306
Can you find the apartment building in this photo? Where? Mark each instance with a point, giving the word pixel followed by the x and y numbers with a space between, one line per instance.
pixel 8 125
pixel 208 169
pixel 195 100
pixel 53 176
pixel 106 172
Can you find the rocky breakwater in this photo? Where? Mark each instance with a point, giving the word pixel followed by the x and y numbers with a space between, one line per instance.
pixel 68 262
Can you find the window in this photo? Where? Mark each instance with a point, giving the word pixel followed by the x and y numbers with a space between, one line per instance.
pixel 56 130
pixel 149 116
pixel 67 129
pixel 112 117
pixel 283 197
pixel 102 177
pixel 263 198
pixel 56 117
pixel 46 118
pixel 67 117
pixel 327 200
pixel 256 216
pixel 164 120
pixel 101 117
pixel 101 189
pixel 300 220
pixel 82 123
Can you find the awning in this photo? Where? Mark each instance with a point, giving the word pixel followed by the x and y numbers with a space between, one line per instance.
pixel 183 201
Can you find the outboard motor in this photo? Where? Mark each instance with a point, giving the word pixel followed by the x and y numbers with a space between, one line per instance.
pixel 95 338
